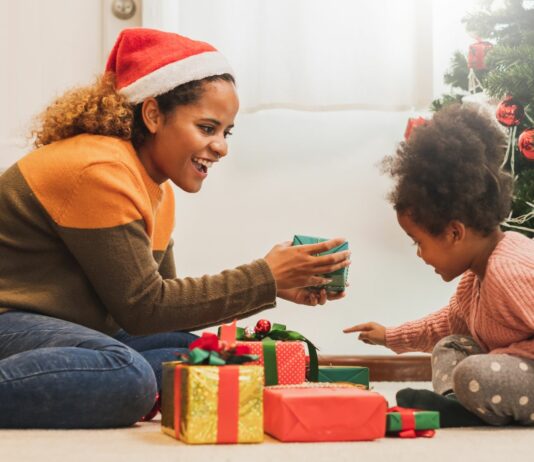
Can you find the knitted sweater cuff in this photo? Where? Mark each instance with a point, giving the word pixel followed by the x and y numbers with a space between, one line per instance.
pixel 266 283
pixel 395 339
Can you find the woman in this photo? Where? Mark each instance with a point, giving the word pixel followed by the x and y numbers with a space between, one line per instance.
pixel 89 296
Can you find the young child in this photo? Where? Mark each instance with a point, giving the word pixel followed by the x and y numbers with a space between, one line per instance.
pixel 90 304
pixel 450 197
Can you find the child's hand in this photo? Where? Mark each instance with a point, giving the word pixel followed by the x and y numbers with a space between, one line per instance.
pixel 309 297
pixel 370 332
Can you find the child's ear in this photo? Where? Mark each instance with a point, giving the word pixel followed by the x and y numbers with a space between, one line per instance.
pixel 456 230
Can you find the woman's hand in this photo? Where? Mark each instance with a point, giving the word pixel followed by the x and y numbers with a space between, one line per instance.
pixel 309 297
pixel 299 266
pixel 370 332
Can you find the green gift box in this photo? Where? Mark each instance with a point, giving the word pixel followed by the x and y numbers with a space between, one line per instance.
pixel 339 277
pixel 423 420
pixel 352 374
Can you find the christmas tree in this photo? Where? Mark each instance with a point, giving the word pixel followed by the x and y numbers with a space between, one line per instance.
pixel 500 67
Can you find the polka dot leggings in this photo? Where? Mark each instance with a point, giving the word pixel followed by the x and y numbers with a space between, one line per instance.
pixel 497 388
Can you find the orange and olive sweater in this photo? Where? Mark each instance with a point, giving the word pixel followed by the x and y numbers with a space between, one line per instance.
pixel 85 236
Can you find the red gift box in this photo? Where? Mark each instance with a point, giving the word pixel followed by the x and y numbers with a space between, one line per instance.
pixel 290 360
pixel 324 413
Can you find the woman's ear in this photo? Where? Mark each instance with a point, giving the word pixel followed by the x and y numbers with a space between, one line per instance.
pixel 456 230
pixel 152 117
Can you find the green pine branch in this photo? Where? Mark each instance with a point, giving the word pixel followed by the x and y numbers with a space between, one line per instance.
pixel 456 76
pixel 516 80
pixel 511 25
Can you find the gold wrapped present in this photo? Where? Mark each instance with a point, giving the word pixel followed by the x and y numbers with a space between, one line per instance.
pixel 212 404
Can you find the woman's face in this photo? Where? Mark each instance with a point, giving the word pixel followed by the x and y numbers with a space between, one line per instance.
pixel 189 140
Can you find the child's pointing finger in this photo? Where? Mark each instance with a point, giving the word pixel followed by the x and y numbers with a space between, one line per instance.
pixel 358 328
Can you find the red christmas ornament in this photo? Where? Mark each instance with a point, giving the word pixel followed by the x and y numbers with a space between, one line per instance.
pixel 525 143
pixel 476 58
pixel 263 327
pixel 413 123
pixel 510 112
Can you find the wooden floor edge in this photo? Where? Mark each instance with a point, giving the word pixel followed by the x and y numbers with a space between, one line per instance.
pixel 387 368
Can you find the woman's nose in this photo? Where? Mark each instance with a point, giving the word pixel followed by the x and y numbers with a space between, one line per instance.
pixel 219 147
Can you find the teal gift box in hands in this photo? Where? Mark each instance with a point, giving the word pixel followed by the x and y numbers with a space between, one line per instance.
pixel 338 278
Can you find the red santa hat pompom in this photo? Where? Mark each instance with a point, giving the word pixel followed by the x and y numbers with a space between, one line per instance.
pixel 148 62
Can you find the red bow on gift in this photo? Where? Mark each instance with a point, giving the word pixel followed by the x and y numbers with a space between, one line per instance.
pixel 408 424
pixel 210 342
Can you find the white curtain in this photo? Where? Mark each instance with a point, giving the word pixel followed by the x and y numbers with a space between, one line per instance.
pixel 315 54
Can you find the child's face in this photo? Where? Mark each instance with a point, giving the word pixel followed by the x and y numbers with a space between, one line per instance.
pixel 445 253
pixel 188 141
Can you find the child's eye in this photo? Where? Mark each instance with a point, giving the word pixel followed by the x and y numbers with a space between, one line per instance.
pixel 415 243
pixel 227 134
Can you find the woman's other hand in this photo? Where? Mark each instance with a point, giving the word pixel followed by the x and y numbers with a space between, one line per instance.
pixel 309 297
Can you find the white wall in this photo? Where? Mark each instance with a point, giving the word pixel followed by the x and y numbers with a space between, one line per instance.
pixel 292 172
pixel 47 47
pixel 288 172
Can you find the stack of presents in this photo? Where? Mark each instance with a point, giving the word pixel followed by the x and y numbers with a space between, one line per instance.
pixel 236 386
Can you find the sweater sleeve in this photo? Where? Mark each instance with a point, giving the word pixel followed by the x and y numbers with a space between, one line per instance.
pixel 118 263
pixel 167 267
pixel 513 287
pixel 423 334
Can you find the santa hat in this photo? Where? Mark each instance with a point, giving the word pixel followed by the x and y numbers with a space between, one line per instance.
pixel 148 62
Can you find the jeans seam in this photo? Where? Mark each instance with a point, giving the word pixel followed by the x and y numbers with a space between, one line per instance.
pixel 37 374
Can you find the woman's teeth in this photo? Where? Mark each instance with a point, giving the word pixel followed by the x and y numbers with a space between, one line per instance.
pixel 202 165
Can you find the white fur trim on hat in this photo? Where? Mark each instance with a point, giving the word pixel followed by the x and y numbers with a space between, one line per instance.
pixel 166 78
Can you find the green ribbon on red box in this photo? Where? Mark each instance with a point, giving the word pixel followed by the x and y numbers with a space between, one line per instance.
pixel 278 333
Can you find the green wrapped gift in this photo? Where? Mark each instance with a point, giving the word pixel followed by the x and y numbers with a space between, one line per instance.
pixel 339 277
pixel 422 420
pixel 352 374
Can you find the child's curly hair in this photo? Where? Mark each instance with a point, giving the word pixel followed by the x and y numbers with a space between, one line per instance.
pixel 449 169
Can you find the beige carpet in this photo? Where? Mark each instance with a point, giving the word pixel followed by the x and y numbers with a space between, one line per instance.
pixel 146 443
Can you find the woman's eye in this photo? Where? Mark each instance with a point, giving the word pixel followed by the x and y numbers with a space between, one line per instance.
pixel 207 129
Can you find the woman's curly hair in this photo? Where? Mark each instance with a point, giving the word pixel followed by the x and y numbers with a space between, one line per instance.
pixel 96 109
pixel 100 110
pixel 449 169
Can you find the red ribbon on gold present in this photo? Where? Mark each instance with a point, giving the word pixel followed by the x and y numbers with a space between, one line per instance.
pixel 228 403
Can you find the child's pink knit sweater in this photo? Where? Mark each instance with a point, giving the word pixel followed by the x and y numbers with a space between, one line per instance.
pixel 498 312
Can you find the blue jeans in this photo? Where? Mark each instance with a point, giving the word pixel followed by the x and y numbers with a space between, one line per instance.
pixel 56 374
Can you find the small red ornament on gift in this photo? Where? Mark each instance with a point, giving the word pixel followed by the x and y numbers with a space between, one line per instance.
pixel 413 122
pixel 525 143
pixel 476 58
pixel 510 112
pixel 263 327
